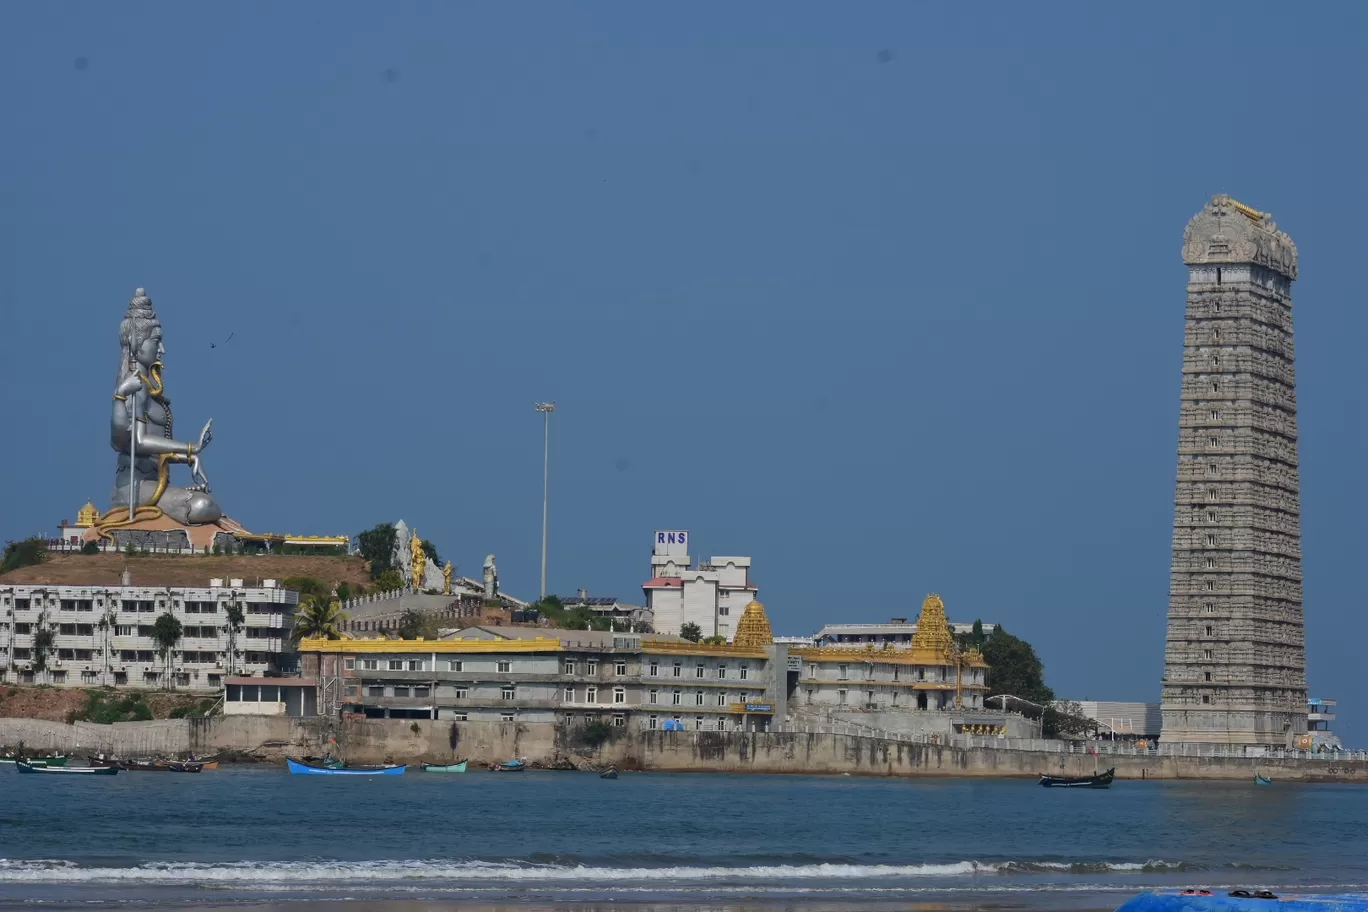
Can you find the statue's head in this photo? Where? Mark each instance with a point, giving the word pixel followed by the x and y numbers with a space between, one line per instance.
pixel 141 331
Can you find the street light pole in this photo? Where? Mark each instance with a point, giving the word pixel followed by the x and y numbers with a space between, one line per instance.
pixel 546 408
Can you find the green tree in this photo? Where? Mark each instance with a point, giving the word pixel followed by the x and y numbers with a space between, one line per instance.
pixel 1014 668
pixel 715 640
pixel 389 580
pixel 344 592
pixel 237 619
pixel 26 553
pixel 306 586
pixel 166 633
pixel 44 642
pixel 418 625
pixel 597 733
pixel 430 550
pixel 90 547
pixel 1065 717
pixel 318 619
pixel 691 632
pixel 377 546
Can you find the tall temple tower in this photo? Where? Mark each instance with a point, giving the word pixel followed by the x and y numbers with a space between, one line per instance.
pixel 1235 660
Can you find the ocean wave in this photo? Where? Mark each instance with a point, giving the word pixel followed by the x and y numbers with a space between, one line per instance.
pixel 443 870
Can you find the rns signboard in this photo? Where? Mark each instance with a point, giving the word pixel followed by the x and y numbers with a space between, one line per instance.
pixel 671 543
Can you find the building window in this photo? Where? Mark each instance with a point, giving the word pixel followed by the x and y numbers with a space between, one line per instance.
pixel 619 695
pixel 655 668
pixel 722 670
pixel 841 697
pixel 1211 563
pixel 677 697
pixel 653 696
pixel 569 666
pixel 375 690
pixel 843 673
pixel 1210 630
pixel 619 668
pixel 1206 676
pixel 1211 468
pixel 569 695
pixel 396 664
pixel 723 610
pixel 722 699
pixel 619 720
pixel 509 691
pixel 1208 654
pixel 459 717
pixel 653 722
pixel 591 694
pixel 455 665
pixel 422 690
pixel 505 717
pixel 1211 515
pixel 1206 699
pixel 743 670
pixel 698 723
pixel 698 698
pixel 505 666
pixel 1211 541
pixel 369 664
pixel 591 668
pixel 1209 607
pixel 1215 415
pixel 349 664
pixel 415 665
pixel 678 669
pixel 401 690
pixel 698 670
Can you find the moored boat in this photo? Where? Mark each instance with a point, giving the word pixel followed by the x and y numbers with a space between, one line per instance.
pixel 1245 901
pixel 307 769
pixel 457 767
pixel 1262 780
pixel 1097 781
pixel 35 761
pixel 608 772
pixel 23 767
pixel 510 766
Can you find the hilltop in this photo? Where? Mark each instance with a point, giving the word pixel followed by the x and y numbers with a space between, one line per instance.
pixel 186 570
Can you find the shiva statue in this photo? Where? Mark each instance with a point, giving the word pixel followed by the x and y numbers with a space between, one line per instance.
pixel 140 432
pixel 491 579
pixel 418 561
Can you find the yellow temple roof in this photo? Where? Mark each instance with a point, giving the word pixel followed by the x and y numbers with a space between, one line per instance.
pixel 753 630
pixel 87 515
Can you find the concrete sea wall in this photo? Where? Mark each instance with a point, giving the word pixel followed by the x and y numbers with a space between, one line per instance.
pixel 374 740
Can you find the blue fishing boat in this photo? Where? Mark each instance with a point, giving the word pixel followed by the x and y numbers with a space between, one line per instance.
pixel 1245 901
pixel 459 767
pixel 23 767
pixel 1262 780
pixel 510 766
pixel 308 769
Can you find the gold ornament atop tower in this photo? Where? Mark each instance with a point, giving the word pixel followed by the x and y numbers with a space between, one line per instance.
pixel 933 634
pixel 753 630
pixel 87 515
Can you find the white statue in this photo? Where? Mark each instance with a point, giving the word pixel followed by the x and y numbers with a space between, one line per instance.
pixel 491 578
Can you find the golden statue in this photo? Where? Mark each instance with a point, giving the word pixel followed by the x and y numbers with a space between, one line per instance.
pixel 419 560
pixel 446 579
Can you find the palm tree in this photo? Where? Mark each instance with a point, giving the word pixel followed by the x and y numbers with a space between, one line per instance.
pixel 319 618
pixel 235 617
pixel 166 633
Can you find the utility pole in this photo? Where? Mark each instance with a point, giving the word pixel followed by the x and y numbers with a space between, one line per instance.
pixel 546 408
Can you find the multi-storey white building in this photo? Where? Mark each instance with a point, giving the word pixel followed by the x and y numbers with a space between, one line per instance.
pixel 712 595
pixel 103 634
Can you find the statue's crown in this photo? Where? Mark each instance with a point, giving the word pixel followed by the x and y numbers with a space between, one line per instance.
pixel 141 305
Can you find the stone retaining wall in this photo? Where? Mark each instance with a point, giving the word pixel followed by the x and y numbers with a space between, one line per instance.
pixel 375 740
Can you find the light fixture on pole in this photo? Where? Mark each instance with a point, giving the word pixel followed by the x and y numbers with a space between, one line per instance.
pixel 546 408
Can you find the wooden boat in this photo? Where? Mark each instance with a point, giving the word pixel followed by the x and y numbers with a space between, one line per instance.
pixel 457 767
pixel 209 764
pixel 307 769
pixel 1097 781
pixel 1245 901
pixel 178 766
pixel 23 767
pixel 35 761
pixel 1262 780
pixel 510 766
pixel 609 772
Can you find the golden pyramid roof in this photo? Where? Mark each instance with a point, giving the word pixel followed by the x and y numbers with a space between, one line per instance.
pixel 753 630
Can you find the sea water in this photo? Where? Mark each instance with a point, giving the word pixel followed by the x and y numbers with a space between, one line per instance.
pixel 258 835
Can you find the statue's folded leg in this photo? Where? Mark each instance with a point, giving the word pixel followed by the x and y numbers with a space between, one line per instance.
pixel 192 508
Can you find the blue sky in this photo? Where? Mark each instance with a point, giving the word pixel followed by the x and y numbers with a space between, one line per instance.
pixel 888 296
